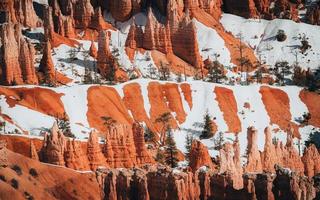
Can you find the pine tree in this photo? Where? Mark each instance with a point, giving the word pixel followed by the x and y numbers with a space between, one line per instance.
pixel 189 140
pixel 281 69
pixel 207 131
pixel 218 142
pixel 216 73
pixel 64 126
pixel 171 150
pixel 314 138
pixel 164 119
pixel 108 121
pixel 160 156
pixel 164 71
pixel 148 134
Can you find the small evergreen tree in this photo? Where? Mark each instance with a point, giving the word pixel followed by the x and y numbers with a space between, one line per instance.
pixel 64 126
pixel 72 54
pixel 164 71
pixel 314 138
pixel 171 150
pixel 219 141
pixel 108 121
pixel 281 69
pixel 189 140
pixel 164 119
pixel 207 131
pixel 216 73
pixel 148 134
pixel 281 35
pixel 160 156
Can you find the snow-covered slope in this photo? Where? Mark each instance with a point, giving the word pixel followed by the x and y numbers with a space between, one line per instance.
pixel 204 97
pixel 261 36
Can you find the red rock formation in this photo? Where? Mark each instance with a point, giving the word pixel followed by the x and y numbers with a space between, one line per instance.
pixel 269 156
pixel 104 55
pixel 142 154
pixel 83 11
pixel 254 160
pixel 46 65
pixel 311 161
pixel 54 147
pixel 26 60
pixel 230 164
pixel 3 154
pixel 156 35
pixel 199 156
pixel 17 62
pixel 94 152
pixel 125 6
pixel 20 11
pixel 119 149
pixel 93 52
pixel 33 151
pixel 74 157
pixel 291 158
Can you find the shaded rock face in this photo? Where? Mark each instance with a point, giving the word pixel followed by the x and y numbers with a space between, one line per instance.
pixel 158 182
pixel 19 11
pixel 287 185
pixel 17 60
pixel 284 9
pixel 124 147
pixel 313 14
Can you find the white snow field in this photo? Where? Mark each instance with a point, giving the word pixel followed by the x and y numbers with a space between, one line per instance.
pixel 260 35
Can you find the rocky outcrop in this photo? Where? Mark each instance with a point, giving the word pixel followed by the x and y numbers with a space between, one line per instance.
pixel 289 185
pixel 267 9
pixel 33 151
pixel 94 151
pixel 93 52
pixel 19 11
pixel 3 154
pixel 254 159
pixel 46 64
pixel 313 14
pixel 54 147
pixel 74 157
pixel 159 182
pixel 142 154
pixel 269 156
pixel 125 6
pixel 124 147
pixel 199 156
pixel 17 60
pixel 244 8
pixel 104 55
pixel 120 149
pixel 230 164
pixel 311 161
